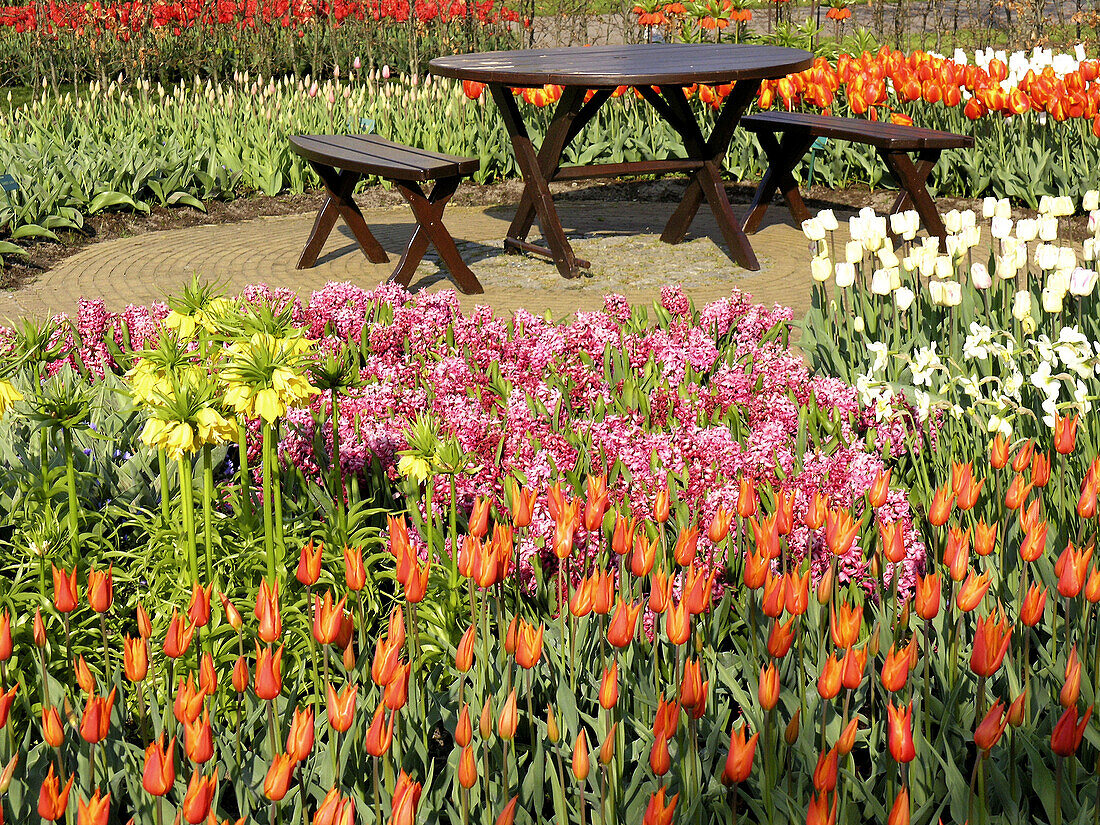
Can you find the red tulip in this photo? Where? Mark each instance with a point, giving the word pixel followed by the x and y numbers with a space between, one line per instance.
pixel 1067 733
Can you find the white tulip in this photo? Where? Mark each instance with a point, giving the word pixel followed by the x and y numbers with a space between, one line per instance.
pixel 952 293
pixel 927 264
pixel 1006 268
pixel 1046 256
pixel 1046 205
pixel 1091 200
pixel 898 223
pixel 1094 221
pixel 887 257
pixel 989 207
pixel 858 325
pixel 1063 206
pixel 880 282
pixel 944 267
pixel 845 275
pixel 953 221
pixel 853 252
pixel 856 228
pixel 1052 300
pixel 1021 305
pixel 895 278
pixel 968 219
pixel 1067 258
pixel 956 245
pixel 1088 249
pixel 1027 229
pixel 813 229
pixel 1082 282
pixel 973 235
pixel 1004 209
pixel 828 220
pixel 935 292
pixel 1000 228
pixel 979 276
pixel 1048 228
pixel 931 242
pixel 904 297
pixel 1058 281
pixel 820 269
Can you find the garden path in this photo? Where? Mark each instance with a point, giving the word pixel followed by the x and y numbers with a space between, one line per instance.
pixel 620 239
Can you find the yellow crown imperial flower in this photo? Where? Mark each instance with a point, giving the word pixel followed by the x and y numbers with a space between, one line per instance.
pixel 268 405
pixel 184 325
pixel 414 467
pixel 180 440
pixel 8 395
pixel 214 428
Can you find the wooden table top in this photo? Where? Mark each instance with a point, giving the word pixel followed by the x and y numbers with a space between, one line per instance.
pixel 676 64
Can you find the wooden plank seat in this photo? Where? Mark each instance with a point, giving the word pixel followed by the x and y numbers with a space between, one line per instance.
pixel 894 143
pixel 342 160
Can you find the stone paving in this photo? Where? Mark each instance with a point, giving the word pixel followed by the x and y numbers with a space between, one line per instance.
pixel 621 239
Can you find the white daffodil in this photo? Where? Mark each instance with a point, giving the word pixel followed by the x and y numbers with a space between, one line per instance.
pixel 882 356
pixel 925 364
pixel 977 342
pixel 996 424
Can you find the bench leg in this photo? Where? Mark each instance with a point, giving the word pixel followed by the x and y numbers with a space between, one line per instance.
pixel 784 156
pixel 428 210
pixel 912 178
pixel 339 203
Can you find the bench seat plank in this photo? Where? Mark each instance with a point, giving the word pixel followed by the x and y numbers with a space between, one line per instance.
pixel 373 155
pixel 889 136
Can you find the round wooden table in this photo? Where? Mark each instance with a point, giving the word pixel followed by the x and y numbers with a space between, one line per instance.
pixel 660 73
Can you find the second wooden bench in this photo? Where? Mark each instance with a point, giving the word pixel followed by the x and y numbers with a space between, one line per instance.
pixel 893 142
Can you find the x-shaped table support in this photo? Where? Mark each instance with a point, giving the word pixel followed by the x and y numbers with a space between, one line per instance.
pixel 428 209
pixel 913 180
pixel 570 117
pixel 339 203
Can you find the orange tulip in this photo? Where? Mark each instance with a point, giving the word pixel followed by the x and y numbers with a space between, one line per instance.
pixel 39 632
pixel 746 497
pixel 895 670
pixel 52 798
pixel 100 589
pixel 991 640
pixel 678 623
pixel 973 590
pixel 880 488
pixel 609 686
pixel 299 739
pixel 691 685
pixel 899 813
pixel 198 609
pixel 774 600
pixel 199 796
pixel 406 796
pixel 160 767
pixel 240 675
pixel 985 538
pixel 660 760
pixel 580 602
pixel 840 530
pixel 198 739
pixel 768 690
pixel 998 452
pixel 464 655
pixel 847 739
pixel 354 573
pixel 596 502
pixel 829 680
pixel 989 730
pixel 620 631
pixel 1034 542
pixel 720 525
pixel 396 694
pixel 660 593
pixel 580 757
pixel 687 543
pixel 232 615
pixel 52 731
pixel 5 637
pixel 757 567
pixel 327 618
pixel 657 812
pixel 464 731
pixel 379 734
pixel 135 658
pixel 1068 732
pixel 416 584
pixel 956 554
pixel 844 625
pixel 854 666
pixel 942 502
pixel 824 776
pixel 1017 493
pixel 644 555
pixel 523 505
pixel 901 733
pixel 892 535
pixel 506 724
pixel 1022 459
pixel 277 780
pixel 269 676
pixel 267 612
pixel 178 637
pixel 607 749
pixel 622 539
pixel 738 765
pixel 1071 688
pixel 528 644
pixel 1072 569
pixel 765 533
pixel 467 767
pixel 309 564
pixel 815 513
pixel 780 638
pixel 96 810
pixel 65 594
pixel 84 676
pixel 95 724
pixel 1086 504
pixel 340 707
pixel 189 701
pixel 819 811
pixel 1034 604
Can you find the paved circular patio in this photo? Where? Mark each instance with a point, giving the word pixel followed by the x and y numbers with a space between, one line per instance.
pixel 621 239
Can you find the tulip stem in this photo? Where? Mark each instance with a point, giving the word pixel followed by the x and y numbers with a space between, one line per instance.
pixel 165 498
pixel 1058 790
pixel 208 510
pixel 106 653
pixel 377 798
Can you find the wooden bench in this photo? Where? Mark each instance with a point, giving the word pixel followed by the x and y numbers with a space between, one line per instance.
pixel 894 143
pixel 342 160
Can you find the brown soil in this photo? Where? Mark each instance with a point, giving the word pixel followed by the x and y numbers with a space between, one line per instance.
pixel 43 255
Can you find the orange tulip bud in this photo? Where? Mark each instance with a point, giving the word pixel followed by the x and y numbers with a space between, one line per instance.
pixel 396 695
pixel 100 590
pixel 277 780
pixel 464 731
pixel 160 767
pixel 660 760
pixel 998 452
pixel 580 757
pixel 506 725
pixel 609 686
pixel 687 544
pixel 899 814
pixel 379 734
pixel 1071 688
pixel 65 594
pixel 354 573
pixel 768 690
pixel 198 739
pixel 880 488
pixel 829 680
pixel 989 730
pixel 825 772
pixel 1068 732
pixel 97 810
pixel 39 634
pixel 847 739
pixel 299 739
pixel 52 731
pixel 508 813
pixel 464 655
pixel 901 733
pixel 607 749
pixel 523 505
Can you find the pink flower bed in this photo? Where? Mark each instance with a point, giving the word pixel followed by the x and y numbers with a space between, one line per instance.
pixel 424 356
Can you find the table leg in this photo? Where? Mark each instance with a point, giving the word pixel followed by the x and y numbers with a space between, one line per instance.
pixel 428 210
pixel 912 178
pixel 537 168
pixel 784 156
pixel 339 202
pixel 707 182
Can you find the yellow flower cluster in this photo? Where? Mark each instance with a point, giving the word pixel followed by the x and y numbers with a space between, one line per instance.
pixel 8 395
pixel 187 324
pixel 265 376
